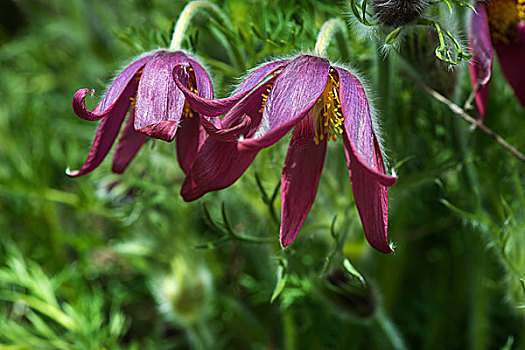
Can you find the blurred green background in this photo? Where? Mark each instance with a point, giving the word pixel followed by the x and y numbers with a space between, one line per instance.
pixel 120 261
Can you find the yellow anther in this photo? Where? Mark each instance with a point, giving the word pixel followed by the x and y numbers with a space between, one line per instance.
pixel 328 122
pixel 521 9
pixel 503 16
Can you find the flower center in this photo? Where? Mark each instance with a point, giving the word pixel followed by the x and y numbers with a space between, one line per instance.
pixel 521 10
pixel 504 16
pixel 187 112
pixel 136 77
pixel 328 123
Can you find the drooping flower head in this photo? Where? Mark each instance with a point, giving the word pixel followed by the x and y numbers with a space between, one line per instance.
pixel 398 12
pixel 500 25
pixel 158 110
pixel 319 102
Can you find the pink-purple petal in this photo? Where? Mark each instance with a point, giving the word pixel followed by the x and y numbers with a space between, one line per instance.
pixel 370 196
pixel 120 91
pixel 201 105
pixel 295 92
pixel 159 103
pixel 299 183
pixel 259 74
pixel 128 145
pixel 358 125
pixel 480 64
pixel 121 104
pixel 105 137
pixel 204 85
pixel 217 166
pixel 217 107
pixel 190 137
pixel 512 61
pixel 521 31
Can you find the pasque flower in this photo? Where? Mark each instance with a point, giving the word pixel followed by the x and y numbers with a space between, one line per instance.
pixel 499 25
pixel 158 110
pixel 319 102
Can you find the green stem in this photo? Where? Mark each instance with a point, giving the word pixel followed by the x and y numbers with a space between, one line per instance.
pixel 325 35
pixel 213 10
pixel 390 331
pixel 289 330
pixel 200 336
pixel 186 16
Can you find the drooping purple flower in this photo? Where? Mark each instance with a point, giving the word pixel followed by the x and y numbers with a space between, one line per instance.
pixel 499 25
pixel 319 102
pixel 158 110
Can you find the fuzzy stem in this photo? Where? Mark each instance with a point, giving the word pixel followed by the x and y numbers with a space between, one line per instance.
pixel 325 35
pixel 390 330
pixel 187 15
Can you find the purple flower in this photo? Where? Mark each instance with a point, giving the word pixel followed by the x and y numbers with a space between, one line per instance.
pixel 319 102
pixel 498 25
pixel 158 110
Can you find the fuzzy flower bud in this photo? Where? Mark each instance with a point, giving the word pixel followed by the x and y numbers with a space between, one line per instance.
pixel 346 292
pixel 396 13
pixel 183 295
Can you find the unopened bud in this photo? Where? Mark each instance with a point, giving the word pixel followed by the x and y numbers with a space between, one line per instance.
pixel 397 13
pixel 349 293
pixel 183 294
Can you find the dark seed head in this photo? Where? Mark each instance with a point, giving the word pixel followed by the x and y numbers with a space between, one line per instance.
pixel 396 13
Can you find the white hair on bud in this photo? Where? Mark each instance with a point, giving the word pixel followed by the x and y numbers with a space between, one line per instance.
pixel 398 12
pixel 361 30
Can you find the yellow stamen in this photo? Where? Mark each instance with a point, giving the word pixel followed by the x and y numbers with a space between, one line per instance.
pixel 138 74
pixel 521 9
pixel 265 97
pixel 503 16
pixel 187 112
pixel 330 120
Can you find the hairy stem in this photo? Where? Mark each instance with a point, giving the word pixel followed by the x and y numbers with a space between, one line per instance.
pixel 325 35
pixel 187 15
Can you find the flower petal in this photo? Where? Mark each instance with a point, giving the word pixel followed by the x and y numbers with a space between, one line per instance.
pixel 159 102
pixel 370 196
pixel 358 126
pixel 521 31
pixel 105 137
pixel 217 107
pixel 296 90
pixel 259 74
pixel 299 184
pixel 217 166
pixel 244 118
pixel 204 88
pixel 480 64
pixel 128 145
pixel 190 137
pixel 118 94
pixel 512 61
pixel 204 85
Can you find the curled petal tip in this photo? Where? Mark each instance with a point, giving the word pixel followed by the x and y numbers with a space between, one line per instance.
pixel 285 242
pixel 71 173
pixel 164 130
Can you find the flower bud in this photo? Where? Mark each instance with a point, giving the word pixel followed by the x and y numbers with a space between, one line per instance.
pixel 349 293
pixel 396 13
pixel 184 293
